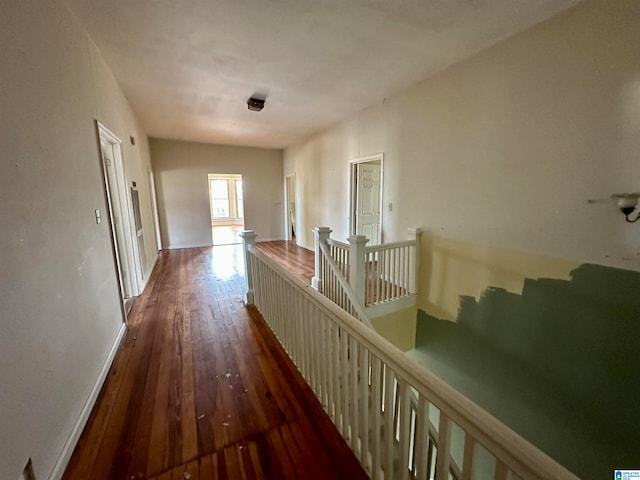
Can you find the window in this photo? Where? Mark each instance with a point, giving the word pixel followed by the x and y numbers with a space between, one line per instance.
pixel 220 198
pixel 227 199
pixel 239 199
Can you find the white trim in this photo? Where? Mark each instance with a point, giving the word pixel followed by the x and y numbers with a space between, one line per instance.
pixel 382 309
pixel 275 239
pixel 130 257
pixel 287 222
pixel 202 245
pixel 154 206
pixel 190 245
pixel 351 193
pixel 70 445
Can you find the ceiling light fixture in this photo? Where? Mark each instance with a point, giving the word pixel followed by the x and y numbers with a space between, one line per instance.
pixel 255 104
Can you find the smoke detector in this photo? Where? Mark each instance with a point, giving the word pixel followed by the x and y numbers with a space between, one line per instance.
pixel 255 104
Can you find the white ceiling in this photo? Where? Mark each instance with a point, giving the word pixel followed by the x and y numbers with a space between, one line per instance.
pixel 188 67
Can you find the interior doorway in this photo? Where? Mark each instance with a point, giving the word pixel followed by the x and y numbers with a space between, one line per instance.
pixel 290 207
pixel 365 203
pixel 226 196
pixel 124 215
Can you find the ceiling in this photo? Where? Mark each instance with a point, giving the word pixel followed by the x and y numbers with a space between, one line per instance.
pixel 188 67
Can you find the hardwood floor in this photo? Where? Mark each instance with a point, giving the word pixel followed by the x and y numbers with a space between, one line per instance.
pixel 201 389
pixel 298 260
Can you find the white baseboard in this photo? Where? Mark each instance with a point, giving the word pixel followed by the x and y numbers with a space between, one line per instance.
pixel 70 445
pixel 258 240
pixel 192 245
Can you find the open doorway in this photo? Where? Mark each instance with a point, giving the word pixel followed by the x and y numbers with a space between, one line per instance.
pixel 124 215
pixel 290 207
pixel 365 203
pixel 227 208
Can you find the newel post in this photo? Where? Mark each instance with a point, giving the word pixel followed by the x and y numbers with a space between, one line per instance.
pixel 414 234
pixel 320 235
pixel 248 240
pixel 357 274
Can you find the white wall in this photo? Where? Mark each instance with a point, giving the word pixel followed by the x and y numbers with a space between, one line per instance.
pixel 503 149
pixel 60 306
pixel 181 170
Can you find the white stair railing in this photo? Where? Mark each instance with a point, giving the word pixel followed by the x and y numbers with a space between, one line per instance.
pixel 401 421
pixel 382 277
pixel 336 288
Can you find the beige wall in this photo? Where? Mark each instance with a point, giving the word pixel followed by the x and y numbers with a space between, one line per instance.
pixel 501 153
pixel 60 307
pixel 181 170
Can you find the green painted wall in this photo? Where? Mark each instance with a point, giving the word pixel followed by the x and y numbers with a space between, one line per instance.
pixel 559 363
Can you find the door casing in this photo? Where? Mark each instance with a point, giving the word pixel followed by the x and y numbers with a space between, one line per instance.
pixel 377 159
pixel 119 206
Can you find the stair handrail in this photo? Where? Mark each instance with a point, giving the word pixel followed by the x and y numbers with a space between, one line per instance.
pixel 345 288
pixel 356 341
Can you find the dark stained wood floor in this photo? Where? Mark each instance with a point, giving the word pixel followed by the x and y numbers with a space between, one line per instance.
pixel 202 389
pixel 299 261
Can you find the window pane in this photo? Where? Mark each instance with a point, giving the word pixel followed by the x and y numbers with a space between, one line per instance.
pixel 219 189
pixel 239 199
pixel 220 208
pixel 220 198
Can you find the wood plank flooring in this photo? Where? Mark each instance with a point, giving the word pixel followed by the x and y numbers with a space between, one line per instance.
pixel 298 260
pixel 201 389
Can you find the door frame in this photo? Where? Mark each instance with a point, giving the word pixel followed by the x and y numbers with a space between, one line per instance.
pixel 128 262
pixel 287 222
pixel 352 194
pixel 154 206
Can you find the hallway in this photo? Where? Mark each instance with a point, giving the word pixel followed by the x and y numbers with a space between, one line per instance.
pixel 201 388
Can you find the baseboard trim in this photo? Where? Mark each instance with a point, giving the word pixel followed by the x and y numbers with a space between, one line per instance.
pixel 70 445
pixel 194 245
pixel 278 239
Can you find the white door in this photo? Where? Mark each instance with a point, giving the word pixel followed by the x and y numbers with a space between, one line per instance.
pixel 115 214
pixel 367 219
pixel 125 240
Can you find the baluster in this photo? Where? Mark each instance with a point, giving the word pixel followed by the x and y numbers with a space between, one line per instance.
pixel 387 274
pixel 396 278
pixel 336 376
pixel 389 437
pixel 354 379
pixel 280 309
pixel 322 357
pixel 267 296
pixel 328 352
pixel 378 283
pixel 402 270
pixel 344 374
pixel 405 427
pixel 407 266
pixel 376 410
pixel 414 234
pixel 390 274
pixel 467 459
pixel 364 406
pixel 297 308
pixel 422 437
pixel 315 356
pixel 318 357
pixel 443 456
pixel 309 344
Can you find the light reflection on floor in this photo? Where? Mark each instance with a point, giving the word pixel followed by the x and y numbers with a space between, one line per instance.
pixel 226 235
pixel 227 261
